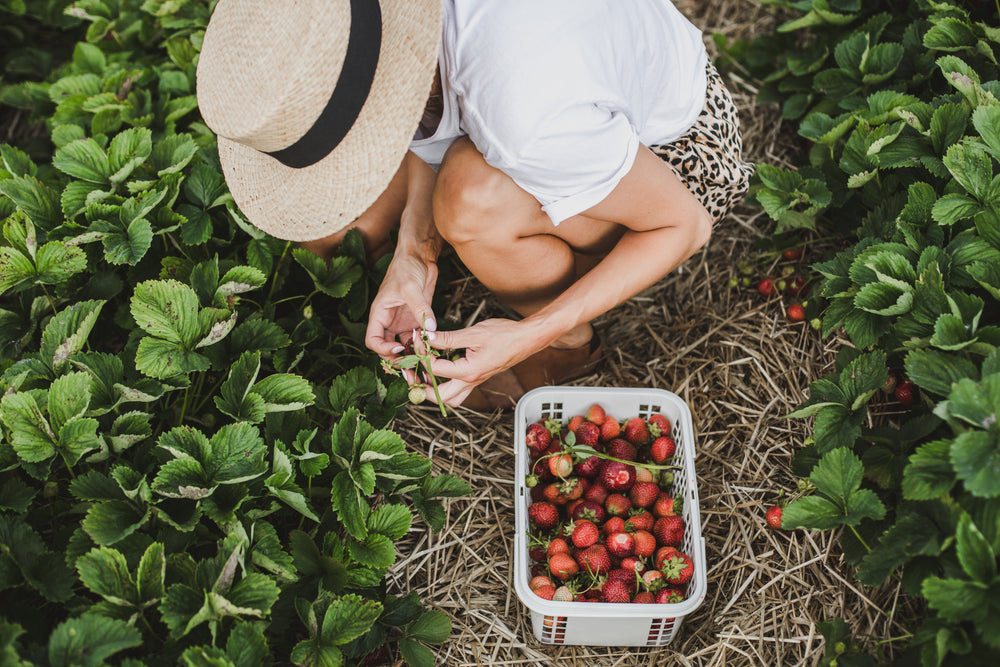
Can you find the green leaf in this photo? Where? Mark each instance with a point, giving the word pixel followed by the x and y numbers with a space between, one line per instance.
pixel 986 120
pixel 974 553
pixel 77 437
pixel 15 494
pixel 863 504
pixel 956 600
pixel 281 484
pixel 128 245
pixel 977 403
pixel 929 473
pixel 57 262
pixel 283 392
pixel 172 153
pixel 393 521
pixel 111 521
pixel 884 299
pixel 351 507
pixel 67 332
pixel 376 551
pixel 167 309
pixel 813 513
pixel 37 200
pixel 204 185
pixel 955 207
pixel 936 371
pixel 975 457
pixel 345 389
pixel 31 436
pixel 348 617
pixel 89 640
pixel 971 167
pixel 83 159
pixel 233 392
pixel 15 269
pixel 127 151
pixel 69 398
pixel 162 359
pixel 416 655
pixel 312 653
pixel 105 572
pixel 151 575
pixel 247 645
pixel 432 626
pixel 837 427
pixel 23 555
pixel 838 474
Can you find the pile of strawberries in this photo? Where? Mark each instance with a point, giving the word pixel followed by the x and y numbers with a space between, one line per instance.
pixel 604 525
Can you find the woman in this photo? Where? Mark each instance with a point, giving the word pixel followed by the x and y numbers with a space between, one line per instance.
pixel 572 152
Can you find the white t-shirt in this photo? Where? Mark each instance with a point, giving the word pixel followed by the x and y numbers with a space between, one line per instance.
pixel 558 94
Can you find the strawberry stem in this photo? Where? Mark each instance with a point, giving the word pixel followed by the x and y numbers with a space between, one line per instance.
pixel 590 451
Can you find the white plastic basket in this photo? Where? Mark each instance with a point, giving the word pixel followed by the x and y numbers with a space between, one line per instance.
pixel 603 623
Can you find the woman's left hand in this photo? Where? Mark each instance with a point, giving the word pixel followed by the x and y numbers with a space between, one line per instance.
pixel 490 346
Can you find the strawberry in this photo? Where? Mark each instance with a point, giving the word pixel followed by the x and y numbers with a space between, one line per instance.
pixel 537 437
pixel 615 591
pixel 662 449
pixel 621 449
pixel 594 559
pixel 669 596
pixel 664 505
pixel 640 520
pixel 546 592
pixel 633 564
pixel 584 533
pixel 544 515
pixel 644 494
pixel 645 543
pixel 659 425
pixel 614 524
pixel 795 313
pixel 652 579
pixel 792 253
pixel 617 476
pixel 557 545
pixel 643 475
pixel 588 467
pixel 669 531
pixel 797 286
pixel 563 594
pixel 563 566
pixel 587 433
pixel 644 597
pixel 773 517
pixel 610 429
pixel 561 466
pixel 620 544
pixel 636 431
pixel 538 582
pixel 540 468
pixel 589 510
pixel 596 493
pixel 662 554
pixel 595 414
pixel 765 287
pixel 678 568
pixel 904 393
pixel 617 505
pixel 574 423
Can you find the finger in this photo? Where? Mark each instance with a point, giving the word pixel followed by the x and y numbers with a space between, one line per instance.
pixel 453 392
pixel 421 310
pixel 376 341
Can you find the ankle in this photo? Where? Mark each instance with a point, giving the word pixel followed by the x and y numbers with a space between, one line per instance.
pixel 575 337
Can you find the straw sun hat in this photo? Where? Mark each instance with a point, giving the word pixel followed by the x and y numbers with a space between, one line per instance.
pixel 315 103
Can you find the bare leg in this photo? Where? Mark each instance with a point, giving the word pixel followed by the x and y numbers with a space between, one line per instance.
pixel 374 225
pixel 501 234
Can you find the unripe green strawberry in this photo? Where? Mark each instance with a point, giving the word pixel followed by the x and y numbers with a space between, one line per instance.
pixel 418 394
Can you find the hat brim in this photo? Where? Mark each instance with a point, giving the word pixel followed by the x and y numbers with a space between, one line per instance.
pixel 314 202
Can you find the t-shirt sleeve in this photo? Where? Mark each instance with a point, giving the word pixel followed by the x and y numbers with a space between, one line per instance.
pixel 574 159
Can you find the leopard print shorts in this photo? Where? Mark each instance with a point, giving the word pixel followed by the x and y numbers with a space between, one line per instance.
pixel 708 158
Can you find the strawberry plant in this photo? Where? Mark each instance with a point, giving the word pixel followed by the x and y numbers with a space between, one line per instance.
pixel 196 455
pixel 899 110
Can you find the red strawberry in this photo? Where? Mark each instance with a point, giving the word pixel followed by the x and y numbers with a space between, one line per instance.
pixel 633 564
pixel 615 524
pixel 545 592
pixel 557 545
pixel 797 286
pixel 669 531
pixel 561 466
pixel 537 437
pixel 540 468
pixel 644 597
pixel 662 554
pixel 594 559
pixel 585 533
pixel 620 544
pixel 904 393
pixel 645 543
pixel 587 433
pixel 615 591
pixel 617 505
pixel 664 505
pixel 644 494
pixel 795 313
pixel 636 431
pixel 659 425
pixel 544 515
pixel 589 510
pixel 539 581
pixel 588 467
pixel 678 568
pixel 621 449
pixel 610 429
pixel 773 517
pixel 652 579
pixel 596 414
pixel 792 253
pixel 596 493
pixel 765 287
pixel 616 476
pixel 662 449
pixel 640 520
pixel 574 423
pixel 562 566
pixel 669 596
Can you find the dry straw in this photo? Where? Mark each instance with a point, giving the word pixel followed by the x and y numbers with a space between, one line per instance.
pixel 740 366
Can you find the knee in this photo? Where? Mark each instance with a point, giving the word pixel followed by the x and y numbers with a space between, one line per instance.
pixel 466 195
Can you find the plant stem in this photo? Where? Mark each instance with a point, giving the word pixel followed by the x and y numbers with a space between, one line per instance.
pixel 893 639
pixel 274 275
pixel 184 405
pixel 210 394
pixel 49 297
pixel 863 543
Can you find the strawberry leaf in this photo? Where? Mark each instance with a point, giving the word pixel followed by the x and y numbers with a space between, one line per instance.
pixel 104 571
pixel 433 626
pixel 974 553
pixel 111 521
pixel 812 513
pixel 347 618
pixel 416 654
pixel 392 520
pixel 83 159
pixel 929 473
pixel 40 203
pixel 376 551
pixel 976 459
pixel 87 641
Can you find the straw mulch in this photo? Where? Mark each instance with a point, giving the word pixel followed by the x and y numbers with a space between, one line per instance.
pixel 733 357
